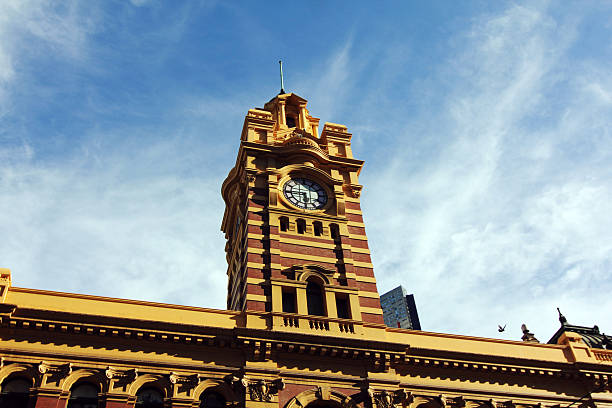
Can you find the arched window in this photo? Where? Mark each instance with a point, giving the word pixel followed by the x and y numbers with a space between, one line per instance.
pixel 318 228
pixel 15 393
pixel 301 226
pixel 284 224
pixel 212 400
pixel 83 395
pixel 149 398
pixel 314 299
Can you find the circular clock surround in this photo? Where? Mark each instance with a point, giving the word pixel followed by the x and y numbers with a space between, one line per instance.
pixel 305 193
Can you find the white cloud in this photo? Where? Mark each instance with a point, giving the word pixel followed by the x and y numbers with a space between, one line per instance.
pixel 506 218
pixel 29 28
pixel 129 226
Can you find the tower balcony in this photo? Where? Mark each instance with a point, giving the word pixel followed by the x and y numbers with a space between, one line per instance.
pixel 309 324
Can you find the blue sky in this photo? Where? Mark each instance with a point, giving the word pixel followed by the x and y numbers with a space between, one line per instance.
pixel 485 127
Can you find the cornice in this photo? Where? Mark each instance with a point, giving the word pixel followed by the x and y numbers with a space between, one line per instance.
pixel 281 149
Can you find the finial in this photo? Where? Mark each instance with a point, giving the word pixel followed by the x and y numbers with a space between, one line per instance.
pixel 562 318
pixel 282 91
pixel 527 335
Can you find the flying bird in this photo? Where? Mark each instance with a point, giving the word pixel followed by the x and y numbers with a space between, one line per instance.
pixel 501 329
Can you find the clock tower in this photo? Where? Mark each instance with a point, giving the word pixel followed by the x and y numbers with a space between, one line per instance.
pixel 296 244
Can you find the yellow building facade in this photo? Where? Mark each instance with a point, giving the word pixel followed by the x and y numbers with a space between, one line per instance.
pixel 303 327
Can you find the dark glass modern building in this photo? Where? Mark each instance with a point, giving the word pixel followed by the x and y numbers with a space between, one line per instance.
pixel 399 309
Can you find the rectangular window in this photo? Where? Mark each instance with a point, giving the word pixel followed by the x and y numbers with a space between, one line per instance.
pixel 342 307
pixel 289 302
pixel 284 224
pixel 301 226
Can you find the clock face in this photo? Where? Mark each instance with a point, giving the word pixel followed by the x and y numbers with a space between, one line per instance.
pixel 305 194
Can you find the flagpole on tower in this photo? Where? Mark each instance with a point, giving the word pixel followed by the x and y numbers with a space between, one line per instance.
pixel 282 91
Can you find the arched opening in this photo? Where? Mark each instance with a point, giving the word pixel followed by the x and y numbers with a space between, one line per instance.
pixel 83 395
pixel 212 400
pixel 149 397
pixel 284 224
pixel 314 299
pixel 318 228
pixel 301 226
pixel 15 393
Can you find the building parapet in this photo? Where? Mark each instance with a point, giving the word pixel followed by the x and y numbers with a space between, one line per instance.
pixel 64 312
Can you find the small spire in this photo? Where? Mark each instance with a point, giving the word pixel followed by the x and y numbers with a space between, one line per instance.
pixel 562 318
pixel 282 91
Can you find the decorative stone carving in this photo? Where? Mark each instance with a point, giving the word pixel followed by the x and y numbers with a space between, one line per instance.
pixel 384 399
pixel 457 402
pixel 110 372
pixel 62 370
pixel 505 404
pixel 355 191
pixel 125 375
pixel 259 391
pixel 189 380
pixel 390 399
pixel 248 177
pixel 262 390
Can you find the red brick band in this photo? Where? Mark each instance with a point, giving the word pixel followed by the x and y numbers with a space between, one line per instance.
pixel 369 302
pixel 372 318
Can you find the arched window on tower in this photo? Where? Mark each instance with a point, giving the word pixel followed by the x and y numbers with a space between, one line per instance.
pixel 318 228
pixel 284 224
pixel 15 393
pixel 301 226
pixel 83 395
pixel 149 397
pixel 212 400
pixel 315 299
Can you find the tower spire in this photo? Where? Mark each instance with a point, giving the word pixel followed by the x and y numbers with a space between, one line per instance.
pixel 282 91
